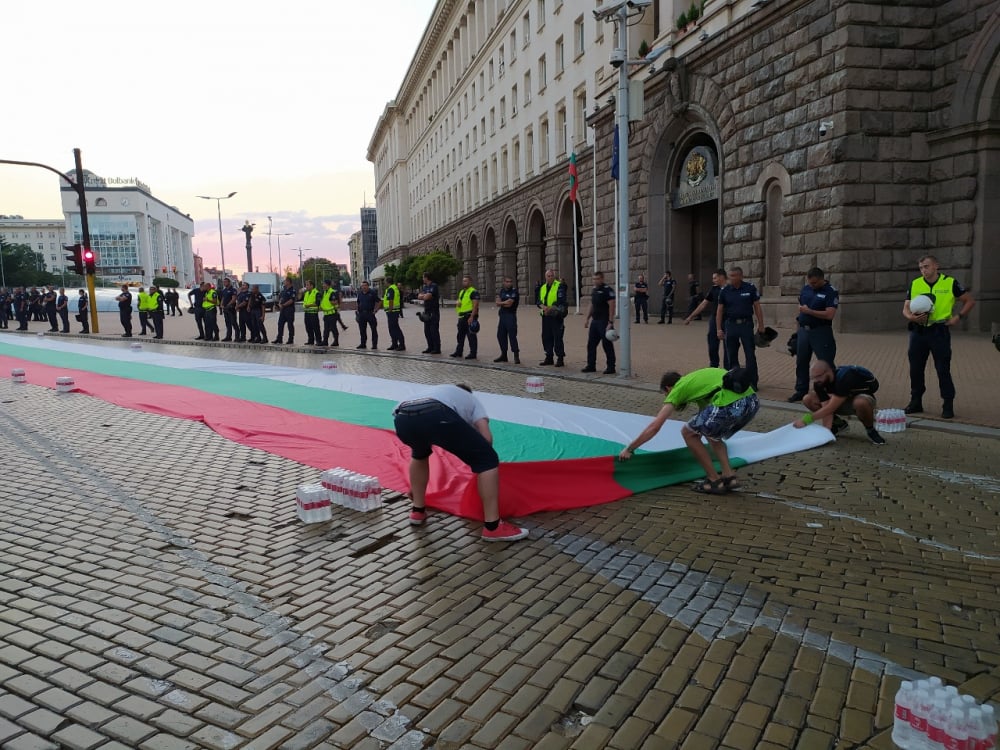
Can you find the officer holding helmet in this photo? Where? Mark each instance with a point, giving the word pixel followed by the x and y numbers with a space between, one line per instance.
pixel 600 320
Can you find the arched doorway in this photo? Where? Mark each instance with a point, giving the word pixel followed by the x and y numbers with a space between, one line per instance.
pixel 487 276
pixel 569 264
pixel 533 267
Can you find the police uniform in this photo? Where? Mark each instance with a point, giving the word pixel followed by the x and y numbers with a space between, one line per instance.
pixel 368 303
pixel 713 336
pixel 62 307
pixel 600 320
pixel 50 309
pixel 4 308
pixel 738 313
pixel 256 306
pixel 507 324
pixel 432 318
pixel 667 306
pixel 815 335
pixel 143 306
pixel 933 339
pixel 21 309
pixel 156 313
pixel 641 301
pixel 242 314
pixel 210 312
pixel 286 314
pixel 467 312
pixel 553 324
pixel 83 308
pixel 125 312
pixel 392 303
pixel 329 305
pixel 229 309
pixel 310 316
pixel 196 296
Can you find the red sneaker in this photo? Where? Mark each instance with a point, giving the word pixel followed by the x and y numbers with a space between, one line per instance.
pixel 505 532
pixel 417 517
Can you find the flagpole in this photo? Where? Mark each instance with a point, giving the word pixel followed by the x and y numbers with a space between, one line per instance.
pixel 576 258
pixel 593 201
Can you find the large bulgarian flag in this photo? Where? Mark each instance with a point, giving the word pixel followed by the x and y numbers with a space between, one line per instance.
pixel 553 456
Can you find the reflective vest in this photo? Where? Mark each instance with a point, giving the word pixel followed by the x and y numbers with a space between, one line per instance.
pixel 309 300
pixel 144 302
pixel 154 301
pixel 944 296
pixel 548 299
pixel 465 301
pixel 328 304
pixel 209 303
pixel 390 300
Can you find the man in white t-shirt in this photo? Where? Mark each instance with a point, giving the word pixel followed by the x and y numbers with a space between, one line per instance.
pixel 450 417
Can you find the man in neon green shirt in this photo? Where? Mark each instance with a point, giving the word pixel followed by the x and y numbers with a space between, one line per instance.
pixel 726 402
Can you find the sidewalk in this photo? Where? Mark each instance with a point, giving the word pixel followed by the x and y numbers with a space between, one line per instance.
pixel 657 348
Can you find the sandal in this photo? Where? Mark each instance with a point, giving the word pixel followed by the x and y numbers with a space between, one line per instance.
pixel 732 483
pixel 709 487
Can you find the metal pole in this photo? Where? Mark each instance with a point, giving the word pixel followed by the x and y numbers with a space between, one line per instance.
pixel 281 271
pixel 576 256
pixel 270 258
pixel 222 247
pixel 625 355
pixel 81 192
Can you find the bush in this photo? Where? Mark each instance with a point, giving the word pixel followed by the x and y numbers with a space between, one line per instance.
pixel 164 281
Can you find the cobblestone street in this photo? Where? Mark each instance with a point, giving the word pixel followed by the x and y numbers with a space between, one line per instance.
pixel 158 591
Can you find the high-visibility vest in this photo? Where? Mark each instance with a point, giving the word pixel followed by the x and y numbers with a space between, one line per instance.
pixel 309 301
pixel 144 302
pixel 209 302
pixel 328 303
pixel 944 296
pixel 154 301
pixel 465 301
pixel 390 300
pixel 549 298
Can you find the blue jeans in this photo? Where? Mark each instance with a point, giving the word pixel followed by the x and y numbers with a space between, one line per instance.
pixel 738 334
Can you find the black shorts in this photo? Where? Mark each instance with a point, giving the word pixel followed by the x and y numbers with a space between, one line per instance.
pixel 427 424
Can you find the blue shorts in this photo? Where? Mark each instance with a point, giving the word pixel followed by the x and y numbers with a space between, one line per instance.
pixel 720 422
pixel 429 423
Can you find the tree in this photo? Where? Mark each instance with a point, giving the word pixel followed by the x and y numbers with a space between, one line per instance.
pixel 319 270
pixel 166 281
pixel 345 278
pixel 440 265
pixel 24 267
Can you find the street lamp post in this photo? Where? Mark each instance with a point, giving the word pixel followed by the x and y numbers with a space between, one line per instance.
pixel 218 205
pixel 279 235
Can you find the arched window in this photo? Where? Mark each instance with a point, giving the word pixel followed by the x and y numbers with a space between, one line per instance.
pixel 773 238
pixel 101 202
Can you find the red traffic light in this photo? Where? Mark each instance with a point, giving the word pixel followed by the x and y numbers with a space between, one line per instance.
pixel 89 260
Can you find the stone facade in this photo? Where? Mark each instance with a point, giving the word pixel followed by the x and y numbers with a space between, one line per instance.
pixel 856 136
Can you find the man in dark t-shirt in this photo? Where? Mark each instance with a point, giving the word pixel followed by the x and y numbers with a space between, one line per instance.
pixel 850 389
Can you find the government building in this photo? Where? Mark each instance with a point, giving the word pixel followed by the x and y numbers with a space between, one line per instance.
pixel 771 134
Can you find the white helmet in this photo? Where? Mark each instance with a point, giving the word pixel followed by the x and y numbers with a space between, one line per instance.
pixel 921 304
pixel 611 335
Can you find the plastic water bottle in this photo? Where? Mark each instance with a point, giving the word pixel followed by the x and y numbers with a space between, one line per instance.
pixel 937 719
pixel 920 709
pixel 902 733
pixel 956 731
pixel 978 734
pixel 990 725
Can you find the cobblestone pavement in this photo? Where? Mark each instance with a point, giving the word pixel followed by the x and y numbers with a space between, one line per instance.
pixel 157 591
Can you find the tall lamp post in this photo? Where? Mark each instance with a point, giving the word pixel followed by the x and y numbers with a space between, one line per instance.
pixel 218 205
pixel 618 13
pixel 279 235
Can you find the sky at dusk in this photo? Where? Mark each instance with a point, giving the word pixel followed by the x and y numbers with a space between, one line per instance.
pixel 276 101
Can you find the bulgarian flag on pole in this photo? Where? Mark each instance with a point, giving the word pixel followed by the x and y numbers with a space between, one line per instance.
pixel 573 179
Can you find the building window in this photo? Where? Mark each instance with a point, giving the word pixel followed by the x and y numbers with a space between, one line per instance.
pixel 526 30
pixel 542 74
pixel 482 85
pixel 580 116
pixel 516 161
pixel 529 151
pixel 541 14
pixel 527 88
pixel 475 137
pixel 500 63
pixel 543 142
pixel 513 100
pixel 493 184
pixel 504 170
pixel 482 127
pixel 561 141
pixel 579 40
pixel 493 122
pixel 491 73
pixel 560 57
pixel 513 45
pixel 503 111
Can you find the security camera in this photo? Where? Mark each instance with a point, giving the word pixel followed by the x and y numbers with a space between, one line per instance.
pixel 617 57
pixel 825 126
pixel 612 9
pixel 657 52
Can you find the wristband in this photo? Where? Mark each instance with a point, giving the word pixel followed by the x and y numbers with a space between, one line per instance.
pixel 808 418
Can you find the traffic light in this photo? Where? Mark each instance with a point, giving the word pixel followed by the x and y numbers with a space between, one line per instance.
pixel 89 262
pixel 74 257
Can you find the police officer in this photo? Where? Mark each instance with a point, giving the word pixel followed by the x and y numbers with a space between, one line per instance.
pixel 21 308
pixel 468 311
pixel 508 299
pixel 83 310
pixel 49 302
pixel 739 304
pixel 550 298
pixel 156 310
pixel 329 305
pixel 310 314
pixel 210 312
pixel 257 307
pixel 143 305
pixel 392 303
pixel 708 305
pixel 125 311
pixel 228 302
pixel 846 390
pixel 62 307
pixel 430 295
pixel 5 301
pixel 600 319
pixel 818 303
pixel 368 303
pixel 930 333
pixel 242 312
pixel 196 296
pixel 641 292
pixel 286 313
pixel 669 285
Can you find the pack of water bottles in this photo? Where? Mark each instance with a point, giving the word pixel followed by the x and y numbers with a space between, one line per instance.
pixel 890 420
pixel 312 503
pixel 352 490
pixel 932 716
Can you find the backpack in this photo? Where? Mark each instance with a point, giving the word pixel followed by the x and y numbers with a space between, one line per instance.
pixel 737 380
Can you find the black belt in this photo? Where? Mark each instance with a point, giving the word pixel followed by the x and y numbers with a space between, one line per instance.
pixel 421 406
pixel 814 326
pixel 739 321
